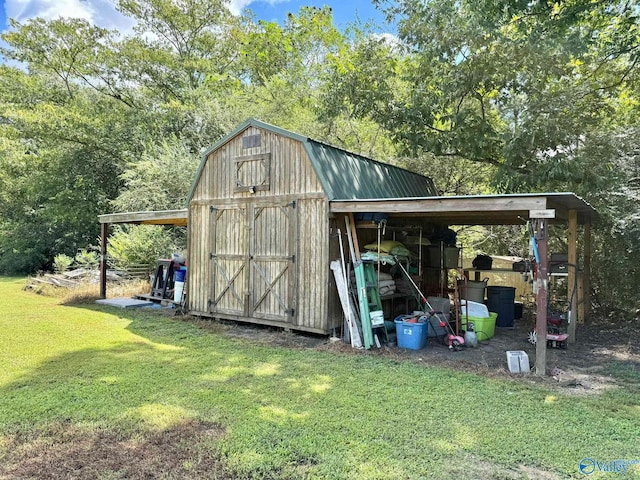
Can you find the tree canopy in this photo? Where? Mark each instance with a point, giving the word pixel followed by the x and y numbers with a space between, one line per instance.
pixel 483 96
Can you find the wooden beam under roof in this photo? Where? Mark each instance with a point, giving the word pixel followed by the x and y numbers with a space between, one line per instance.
pixel 448 205
pixel 474 209
pixel 160 217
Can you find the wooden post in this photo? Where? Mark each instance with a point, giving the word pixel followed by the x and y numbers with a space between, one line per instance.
pixel 572 274
pixel 103 260
pixel 541 298
pixel 354 237
pixel 581 301
pixel 586 269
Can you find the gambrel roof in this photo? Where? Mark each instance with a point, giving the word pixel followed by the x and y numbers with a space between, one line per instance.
pixel 344 175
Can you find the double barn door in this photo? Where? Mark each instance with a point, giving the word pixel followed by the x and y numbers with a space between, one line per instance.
pixel 253 261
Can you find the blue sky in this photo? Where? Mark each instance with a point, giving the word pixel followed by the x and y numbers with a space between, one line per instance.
pixel 103 13
pixel 344 11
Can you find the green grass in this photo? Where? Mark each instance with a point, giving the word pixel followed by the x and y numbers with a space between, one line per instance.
pixel 289 413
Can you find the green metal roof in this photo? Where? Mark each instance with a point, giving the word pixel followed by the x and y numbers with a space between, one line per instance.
pixel 344 175
pixel 349 176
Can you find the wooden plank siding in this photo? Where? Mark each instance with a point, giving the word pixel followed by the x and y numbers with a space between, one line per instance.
pixel 285 246
pixel 229 258
pixel 290 173
pixel 272 258
pixel 198 271
pixel 313 266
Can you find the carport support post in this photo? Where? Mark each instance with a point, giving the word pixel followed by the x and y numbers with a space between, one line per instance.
pixel 586 286
pixel 541 298
pixel 104 232
pixel 572 274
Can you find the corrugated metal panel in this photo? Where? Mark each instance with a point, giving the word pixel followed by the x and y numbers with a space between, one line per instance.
pixel 346 176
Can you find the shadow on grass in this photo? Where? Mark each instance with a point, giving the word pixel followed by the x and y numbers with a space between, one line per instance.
pixel 292 413
pixel 166 374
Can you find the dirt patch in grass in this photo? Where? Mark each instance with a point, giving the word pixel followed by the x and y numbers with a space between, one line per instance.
pixel 471 466
pixel 67 451
pixel 262 335
pixel 606 354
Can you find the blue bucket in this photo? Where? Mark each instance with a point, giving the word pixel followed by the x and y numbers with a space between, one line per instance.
pixel 411 335
pixel 180 275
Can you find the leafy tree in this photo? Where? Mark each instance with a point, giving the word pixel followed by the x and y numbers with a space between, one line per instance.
pixel 141 245
pixel 457 176
pixel 512 84
pixel 88 108
pixel 59 175
pixel 65 48
pixel 159 180
pixel 541 90
pixel 482 96
pixel 87 258
pixel 62 262
pixel 179 44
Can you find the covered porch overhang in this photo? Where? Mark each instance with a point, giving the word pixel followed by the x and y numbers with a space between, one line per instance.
pixel 178 218
pixel 511 209
pixel 515 209
pixel 159 217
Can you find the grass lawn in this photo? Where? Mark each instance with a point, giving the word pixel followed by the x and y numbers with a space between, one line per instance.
pixel 95 392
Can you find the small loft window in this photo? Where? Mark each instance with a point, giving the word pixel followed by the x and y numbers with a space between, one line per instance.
pixel 251 141
pixel 253 172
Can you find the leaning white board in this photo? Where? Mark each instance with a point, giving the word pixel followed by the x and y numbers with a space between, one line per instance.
pixel 347 306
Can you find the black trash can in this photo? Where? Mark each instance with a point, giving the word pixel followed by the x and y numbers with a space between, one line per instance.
pixel 518 310
pixel 501 301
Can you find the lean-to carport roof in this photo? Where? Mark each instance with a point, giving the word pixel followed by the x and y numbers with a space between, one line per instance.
pixel 474 209
pixel 343 174
pixel 160 217
pixel 461 210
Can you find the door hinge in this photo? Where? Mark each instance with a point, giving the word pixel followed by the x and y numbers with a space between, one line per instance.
pixel 212 209
pixel 291 312
pixel 293 259
pixel 293 204
pixel 212 256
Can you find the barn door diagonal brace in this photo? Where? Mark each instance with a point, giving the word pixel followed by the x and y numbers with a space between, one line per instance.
pixel 229 285
pixel 270 288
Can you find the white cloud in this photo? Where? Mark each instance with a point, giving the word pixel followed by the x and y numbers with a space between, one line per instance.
pixel 236 6
pixel 98 12
pixel 390 40
pixel 22 10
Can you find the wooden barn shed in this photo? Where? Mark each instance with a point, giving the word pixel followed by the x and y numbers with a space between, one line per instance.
pixel 260 229
pixel 265 210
